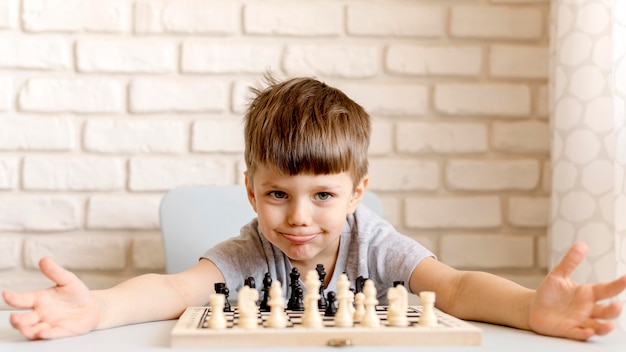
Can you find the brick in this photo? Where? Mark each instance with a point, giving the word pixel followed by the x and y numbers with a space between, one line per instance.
pixel 543 251
pixel 542 105
pixel 126 56
pixel 389 99
pixel 9 10
pixel 492 175
pixel 175 96
pixel 395 18
pixel 487 251
pixel 208 57
pixel 147 252
pixel 496 22
pixel 123 212
pixel 9 172
pixel 529 212
pixel 6 94
pixel 241 96
pixel 218 136
pixel 186 17
pixel 10 251
pixel 492 99
pixel 34 133
pixel 165 174
pixel 403 175
pixel 522 137
pixel 434 60
pixel 346 61
pixel 546 182
pixel 319 18
pixel 381 139
pixel 39 213
pixel 73 174
pixel 519 61
pixel 452 212
pixel 131 136
pixel 85 252
pixel 36 53
pixel 75 16
pixel 72 95
pixel 441 138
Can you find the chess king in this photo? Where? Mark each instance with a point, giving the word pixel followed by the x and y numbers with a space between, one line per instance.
pixel 307 170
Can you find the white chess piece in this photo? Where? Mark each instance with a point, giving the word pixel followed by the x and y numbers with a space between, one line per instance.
pixel 428 317
pixel 370 318
pixel 246 304
pixel 217 320
pixel 277 317
pixel 343 316
pixel 398 304
pixel 359 311
pixel 312 317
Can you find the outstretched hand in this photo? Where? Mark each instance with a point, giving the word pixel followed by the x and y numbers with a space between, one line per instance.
pixel 66 309
pixel 565 309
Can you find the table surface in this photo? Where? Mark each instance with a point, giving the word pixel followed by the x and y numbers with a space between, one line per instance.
pixel 155 337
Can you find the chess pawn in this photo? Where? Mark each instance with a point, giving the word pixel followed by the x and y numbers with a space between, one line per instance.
pixel 428 317
pixel 343 316
pixel 312 317
pixel 398 304
pixel 370 319
pixel 277 317
pixel 359 310
pixel 217 320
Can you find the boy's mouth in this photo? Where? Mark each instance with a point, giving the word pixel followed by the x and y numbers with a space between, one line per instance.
pixel 299 239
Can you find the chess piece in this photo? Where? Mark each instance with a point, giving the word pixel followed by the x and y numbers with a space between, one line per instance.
pixel 294 284
pixel 321 272
pixel 360 281
pixel 398 304
pixel 220 287
pixel 277 317
pixel 312 317
pixel 331 308
pixel 248 314
pixel 267 283
pixel 359 310
pixel 370 318
pixel 428 317
pixel 217 320
pixel 343 316
pixel 250 282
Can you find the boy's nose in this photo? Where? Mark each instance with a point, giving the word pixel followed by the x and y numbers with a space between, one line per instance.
pixel 299 213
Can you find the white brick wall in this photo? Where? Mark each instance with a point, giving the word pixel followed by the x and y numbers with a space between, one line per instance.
pixel 107 104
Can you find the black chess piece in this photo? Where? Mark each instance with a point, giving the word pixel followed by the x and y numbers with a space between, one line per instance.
pixel 331 308
pixel 250 282
pixel 298 303
pixel 294 283
pixel 321 272
pixel 267 283
pixel 398 283
pixel 220 287
pixel 360 282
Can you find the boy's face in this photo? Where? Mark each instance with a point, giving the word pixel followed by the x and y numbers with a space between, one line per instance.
pixel 304 215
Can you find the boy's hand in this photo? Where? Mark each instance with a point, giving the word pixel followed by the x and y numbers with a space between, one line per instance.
pixel 566 309
pixel 63 310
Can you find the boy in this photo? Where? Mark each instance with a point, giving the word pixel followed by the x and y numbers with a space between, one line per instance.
pixel 306 156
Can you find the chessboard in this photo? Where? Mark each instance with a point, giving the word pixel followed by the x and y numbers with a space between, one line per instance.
pixel 191 331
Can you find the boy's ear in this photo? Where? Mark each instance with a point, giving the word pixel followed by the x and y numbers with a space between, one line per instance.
pixel 250 191
pixel 357 195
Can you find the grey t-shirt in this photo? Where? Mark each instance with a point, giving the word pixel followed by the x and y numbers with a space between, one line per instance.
pixel 369 246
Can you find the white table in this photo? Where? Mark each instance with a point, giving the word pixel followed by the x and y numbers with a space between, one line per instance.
pixel 155 337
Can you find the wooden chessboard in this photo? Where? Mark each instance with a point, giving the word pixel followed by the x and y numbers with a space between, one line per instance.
pixel 191 331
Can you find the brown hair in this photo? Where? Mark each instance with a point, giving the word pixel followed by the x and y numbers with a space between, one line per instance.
pixel 302 126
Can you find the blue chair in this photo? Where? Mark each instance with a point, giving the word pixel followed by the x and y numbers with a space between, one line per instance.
pixel 194 219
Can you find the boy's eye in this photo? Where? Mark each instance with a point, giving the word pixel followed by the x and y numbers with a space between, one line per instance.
pixel 278 194
pixel 323 196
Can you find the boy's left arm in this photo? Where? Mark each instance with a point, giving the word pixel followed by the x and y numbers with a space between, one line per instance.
pixel 558 307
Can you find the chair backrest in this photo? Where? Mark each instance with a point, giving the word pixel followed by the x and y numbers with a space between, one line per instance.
pixel 194 219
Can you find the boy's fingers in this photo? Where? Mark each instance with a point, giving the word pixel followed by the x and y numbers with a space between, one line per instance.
pixel 19 300
pixel 609 289
pixel 55 272
pixel 610 311
pixel 570 261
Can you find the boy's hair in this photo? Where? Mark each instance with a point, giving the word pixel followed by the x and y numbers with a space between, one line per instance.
pixel 303 126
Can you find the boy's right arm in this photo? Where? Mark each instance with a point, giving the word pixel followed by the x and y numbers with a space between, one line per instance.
pixel 69 308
